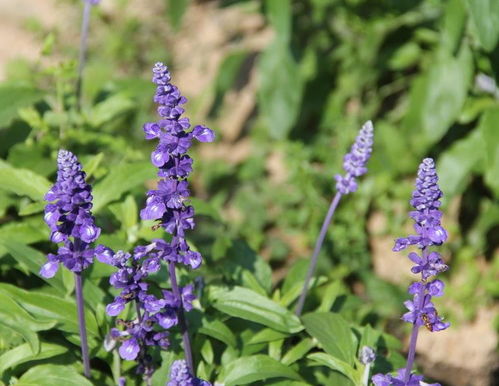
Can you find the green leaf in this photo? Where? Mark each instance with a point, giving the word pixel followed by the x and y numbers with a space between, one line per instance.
pixel 279 15
pixel 176 11
pixel 255 368
pixel 14 97
pixel 92 163
pixel 453 24
pixel 436 98
pixel 445 96
pixel 32 208
pixel 246 304
pixel 266 335
pixel 456 164
pixel 333 333
pixel 338 365
pixel 50 308
pixel 109 109
pixel 485 17
pixel 216 329
pixel 23 182
pixel 52 375
pixel 121 179
pixel 32 259
pixel 280 90
pixel 28 335
pixel 298 351
pixel 490 137
pixel 23 353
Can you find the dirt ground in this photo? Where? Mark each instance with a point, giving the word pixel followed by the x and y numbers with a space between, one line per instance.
pixel 461 356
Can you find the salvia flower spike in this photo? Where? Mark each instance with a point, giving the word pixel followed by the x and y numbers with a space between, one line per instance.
pixel 70 220
pixel 180 376
pixel 168 205
pixel 429 232
pixel 354 164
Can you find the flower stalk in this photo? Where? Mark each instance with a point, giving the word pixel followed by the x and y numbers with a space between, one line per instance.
pixel 81 323
pixel 69 217
pixel 87 6
pixel 354 163
pixel 429 232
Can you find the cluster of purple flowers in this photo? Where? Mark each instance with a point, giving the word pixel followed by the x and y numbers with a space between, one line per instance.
pixel 355 161
pixel 69 217
pixel 151 311
pixel 180 376
pixel 400 380
pixel 429 232
pixel 167 205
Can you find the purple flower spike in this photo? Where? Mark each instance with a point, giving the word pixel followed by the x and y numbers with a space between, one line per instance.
pixel 429 232
pixel 69 217
pixel 355 161
pixel 70 220
pixel 354 164
pixel 180 376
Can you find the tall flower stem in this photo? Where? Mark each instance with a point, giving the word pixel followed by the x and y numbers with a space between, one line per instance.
pixel 315 256
pixel 147 377
pixel 83 50
pixel 181 318
pixel 415 331
pixel 81 324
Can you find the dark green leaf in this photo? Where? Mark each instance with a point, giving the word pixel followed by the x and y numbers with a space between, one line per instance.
pixel 490 137
pixel 255 368
pixel 246 304
pixel 52 375
pixel 281 88
pixel 13 97
pixel 121 179
pixel 23 182
pixel 216 329
pixel 485 17
pixel 32 259
pixel 456 163
pixel 109 109
pixel 298 351
pixel 333 333
pixel 23 353
pixel 50 308
pixel 338 365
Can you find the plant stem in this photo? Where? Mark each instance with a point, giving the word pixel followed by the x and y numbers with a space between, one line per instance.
pixel 83 50
pixel 181 318
pixel 365 375
pixel 81 323
pixel 414 334
pixel 318 245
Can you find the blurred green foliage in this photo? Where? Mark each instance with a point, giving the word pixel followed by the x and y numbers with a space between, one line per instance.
pixel 424 71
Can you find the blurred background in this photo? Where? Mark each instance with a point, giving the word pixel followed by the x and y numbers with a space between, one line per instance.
pixel 286 85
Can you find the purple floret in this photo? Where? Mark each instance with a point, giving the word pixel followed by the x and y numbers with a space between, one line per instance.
pixel 426 201
pixel 398 380
pixel 69 217
pixel 429 232
pixel 180 376
pixel 355 161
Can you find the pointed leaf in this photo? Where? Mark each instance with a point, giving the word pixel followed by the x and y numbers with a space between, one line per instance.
pixel 333 333
pixel 247 304
pixel 255 368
